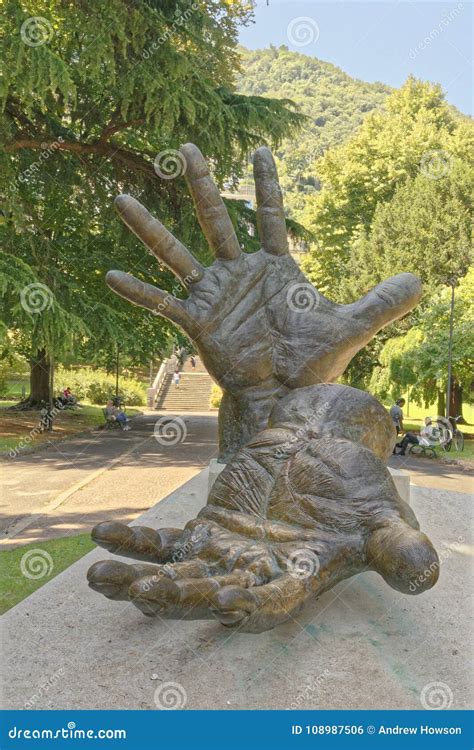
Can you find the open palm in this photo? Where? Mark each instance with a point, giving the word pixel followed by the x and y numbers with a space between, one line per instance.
pixel 259 326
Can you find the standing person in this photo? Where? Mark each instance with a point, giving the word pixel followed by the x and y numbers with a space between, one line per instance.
pixel 396 412
pixel 176 378
pixel 193 361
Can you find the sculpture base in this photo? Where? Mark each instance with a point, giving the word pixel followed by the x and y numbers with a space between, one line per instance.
pixel 65 647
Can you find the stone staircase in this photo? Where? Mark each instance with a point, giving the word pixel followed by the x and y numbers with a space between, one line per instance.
pixel 192 394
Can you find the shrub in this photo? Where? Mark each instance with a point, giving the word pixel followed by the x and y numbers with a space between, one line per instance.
pixel 98 387
pixel 216 397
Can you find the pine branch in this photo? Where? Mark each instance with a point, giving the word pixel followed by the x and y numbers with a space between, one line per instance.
pixel 115 153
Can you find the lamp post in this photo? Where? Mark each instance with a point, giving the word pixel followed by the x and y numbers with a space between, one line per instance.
pixel 452 283
pixel 117 365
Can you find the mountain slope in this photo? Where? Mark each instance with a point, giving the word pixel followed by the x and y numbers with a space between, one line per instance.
pixel 335 104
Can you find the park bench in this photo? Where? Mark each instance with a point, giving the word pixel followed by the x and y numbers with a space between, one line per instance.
pixel 110 421
pixel 424 450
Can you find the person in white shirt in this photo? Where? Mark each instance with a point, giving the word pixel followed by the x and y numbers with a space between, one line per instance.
pixel 428 436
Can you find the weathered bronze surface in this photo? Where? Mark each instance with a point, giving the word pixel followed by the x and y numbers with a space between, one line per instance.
pixel 305 504
pixel 260 327
pixel 305 500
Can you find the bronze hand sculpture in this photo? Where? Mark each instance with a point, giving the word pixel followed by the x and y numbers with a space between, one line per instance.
pixel 305 504
pixel 260 327
pixel 306 500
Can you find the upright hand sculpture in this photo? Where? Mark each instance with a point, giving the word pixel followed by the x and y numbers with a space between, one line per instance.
pixel 260 327
pixel 307 503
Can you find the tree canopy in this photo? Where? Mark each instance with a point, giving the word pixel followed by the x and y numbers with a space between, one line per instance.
pixel 96 98
pixel 416 137
pixel 419 358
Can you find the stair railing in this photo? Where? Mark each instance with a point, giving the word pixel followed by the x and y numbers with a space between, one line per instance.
pixel 153 391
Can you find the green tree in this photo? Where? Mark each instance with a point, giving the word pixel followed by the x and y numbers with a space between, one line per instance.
pixel 419 358
pixel 96 98
pixel 417 135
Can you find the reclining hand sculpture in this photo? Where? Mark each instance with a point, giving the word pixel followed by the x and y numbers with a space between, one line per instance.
pixel 307 503
pixel 305 500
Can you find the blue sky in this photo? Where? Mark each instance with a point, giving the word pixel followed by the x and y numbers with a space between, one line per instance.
pixel 376 41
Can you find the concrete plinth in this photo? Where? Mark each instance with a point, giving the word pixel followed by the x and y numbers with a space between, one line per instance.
pixel 361 645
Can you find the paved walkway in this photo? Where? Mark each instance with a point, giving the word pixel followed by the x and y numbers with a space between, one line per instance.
pixel 428 472
pixel 71 486
pixel 362 645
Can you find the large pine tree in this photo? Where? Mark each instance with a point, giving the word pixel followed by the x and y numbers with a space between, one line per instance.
pixel 96 98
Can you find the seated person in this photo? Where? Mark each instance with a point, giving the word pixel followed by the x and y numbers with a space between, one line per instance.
pixel 67 397
pixel 113 412
pixel 428 437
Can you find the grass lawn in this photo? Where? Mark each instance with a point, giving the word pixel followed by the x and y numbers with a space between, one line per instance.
pixel 18 430
pixel 415 415
pixel 27 568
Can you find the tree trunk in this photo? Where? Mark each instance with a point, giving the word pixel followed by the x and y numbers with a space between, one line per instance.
pixel 455 406
pixel 40 378
pixel 441 403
